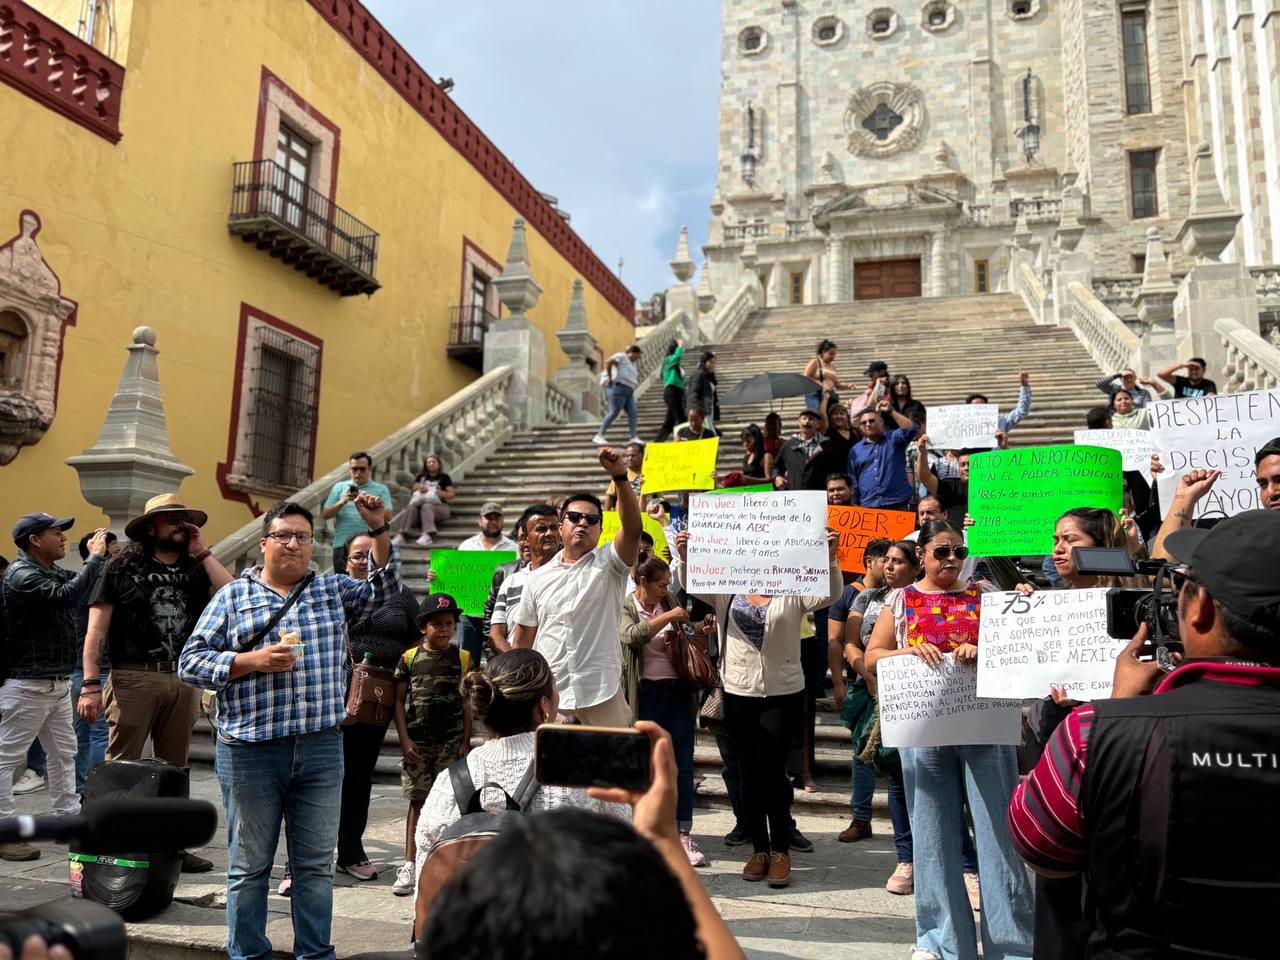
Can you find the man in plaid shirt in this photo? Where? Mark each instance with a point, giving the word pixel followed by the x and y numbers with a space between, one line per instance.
pixel 280 696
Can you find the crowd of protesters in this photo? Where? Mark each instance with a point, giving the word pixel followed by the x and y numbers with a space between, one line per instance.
pixel 581 629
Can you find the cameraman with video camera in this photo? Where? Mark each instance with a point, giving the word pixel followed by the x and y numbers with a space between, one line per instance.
pixel 1145 794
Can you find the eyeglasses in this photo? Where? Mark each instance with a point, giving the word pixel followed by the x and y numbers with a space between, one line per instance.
pixel 357 557
pixel 283 537
pixel 945 553
pixel 1180 578
pixel 574 517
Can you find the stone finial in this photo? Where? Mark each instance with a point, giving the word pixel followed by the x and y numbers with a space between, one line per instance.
pixel 706 298
pixel 1070 229
pixel 1022 231
pixel 682 266
pixel 749 254
pixel 942 158
pixel 828 168
pixel 575 336
pixel 1154 299
pixel 516 287
pixel 1210 226
pixel 717 202
pixel 131 462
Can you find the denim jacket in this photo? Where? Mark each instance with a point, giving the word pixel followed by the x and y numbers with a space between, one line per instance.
pixel 39 628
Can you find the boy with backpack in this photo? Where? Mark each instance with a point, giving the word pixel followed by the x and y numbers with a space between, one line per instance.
pixel 433 722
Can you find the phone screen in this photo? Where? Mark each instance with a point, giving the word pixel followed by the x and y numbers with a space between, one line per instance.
pixel 573 756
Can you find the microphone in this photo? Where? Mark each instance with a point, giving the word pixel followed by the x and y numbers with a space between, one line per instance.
pixel 122 826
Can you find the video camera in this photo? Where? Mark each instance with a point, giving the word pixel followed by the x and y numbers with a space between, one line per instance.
pixel 1128 608
pixel 90 930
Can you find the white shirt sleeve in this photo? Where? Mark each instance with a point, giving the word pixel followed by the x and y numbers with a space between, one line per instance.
pixel 527 612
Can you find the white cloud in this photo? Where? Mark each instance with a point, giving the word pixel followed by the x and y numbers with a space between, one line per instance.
pixel 609 106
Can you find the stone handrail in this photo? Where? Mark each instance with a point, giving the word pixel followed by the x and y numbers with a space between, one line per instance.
pixel 1029 287
pixel 463 430
pixel 1251 363
pixel 559 405
pixel 653 348
pixel 1112 345
pixel 724 324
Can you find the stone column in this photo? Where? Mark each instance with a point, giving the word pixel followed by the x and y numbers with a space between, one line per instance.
pixel 937 264
pixel 131 462
pixel 836 268
pixel 578 380
pixel 515 341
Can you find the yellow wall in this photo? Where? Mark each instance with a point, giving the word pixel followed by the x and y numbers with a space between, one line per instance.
pixel 137 233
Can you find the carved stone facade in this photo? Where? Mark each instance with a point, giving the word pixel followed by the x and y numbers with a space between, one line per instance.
pixel 925 131
pixel 33 317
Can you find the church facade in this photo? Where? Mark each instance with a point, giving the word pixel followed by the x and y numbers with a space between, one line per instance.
pixel 895 148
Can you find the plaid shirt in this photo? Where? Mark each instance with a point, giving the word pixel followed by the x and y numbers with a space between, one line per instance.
pixel 311 696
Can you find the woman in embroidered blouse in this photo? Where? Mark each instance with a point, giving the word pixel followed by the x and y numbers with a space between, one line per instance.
pixel 764 703
pixel 933 617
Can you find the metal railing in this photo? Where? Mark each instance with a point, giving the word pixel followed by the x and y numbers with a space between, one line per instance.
pixel 468 324
pixel 262 189
pixel 1112 345
pixel 1251 363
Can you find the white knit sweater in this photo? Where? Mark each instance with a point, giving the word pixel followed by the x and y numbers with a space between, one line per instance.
pixel 503 762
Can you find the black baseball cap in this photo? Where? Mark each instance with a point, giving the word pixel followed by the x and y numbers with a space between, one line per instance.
pixel 434 603
pixel 30 524
pixel 1235 561
pixel 876 366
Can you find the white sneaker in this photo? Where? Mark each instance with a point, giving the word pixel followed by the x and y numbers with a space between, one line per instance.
pixel 398 540
pixel 28 783
pixel 635 440
pixel 919 954
pixel 696 857
pixel 424 540
pixel 599 440
pixel 972 888
pixel 404 879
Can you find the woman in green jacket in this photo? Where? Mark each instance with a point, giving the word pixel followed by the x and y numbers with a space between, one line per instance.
pixel 672 389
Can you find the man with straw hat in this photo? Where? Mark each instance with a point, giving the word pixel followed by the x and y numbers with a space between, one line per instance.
pixel 144 606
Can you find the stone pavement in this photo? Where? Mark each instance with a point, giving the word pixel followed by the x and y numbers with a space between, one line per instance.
pixel 836 905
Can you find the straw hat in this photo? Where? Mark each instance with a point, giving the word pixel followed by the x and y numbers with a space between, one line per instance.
pixel 165 503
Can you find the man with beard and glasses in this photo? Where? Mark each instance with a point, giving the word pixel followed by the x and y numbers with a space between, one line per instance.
pixel 145 605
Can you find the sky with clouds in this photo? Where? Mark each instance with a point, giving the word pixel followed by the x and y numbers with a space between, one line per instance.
pixel 609 105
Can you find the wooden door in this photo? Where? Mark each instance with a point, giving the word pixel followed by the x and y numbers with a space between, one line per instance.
pixel 884 279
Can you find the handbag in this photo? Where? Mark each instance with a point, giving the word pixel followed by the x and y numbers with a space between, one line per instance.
pixel 691 662
pixel 371 696
pixel 711 713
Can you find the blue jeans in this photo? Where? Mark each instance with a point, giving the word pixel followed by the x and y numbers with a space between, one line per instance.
pixel 864 787
pixel 621 397
pixel 668 704
pixel 937 780
pixel 297 780
pixel 91 740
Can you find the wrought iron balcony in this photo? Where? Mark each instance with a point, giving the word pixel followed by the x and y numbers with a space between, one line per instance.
pixel 467 326
pixel 282 215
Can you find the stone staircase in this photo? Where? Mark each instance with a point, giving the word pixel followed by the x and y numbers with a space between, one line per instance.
pixel 949 347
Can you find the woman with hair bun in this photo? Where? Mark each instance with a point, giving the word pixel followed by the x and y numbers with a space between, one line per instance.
pixel 514 695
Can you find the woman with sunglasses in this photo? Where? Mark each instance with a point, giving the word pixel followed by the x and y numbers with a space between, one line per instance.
pixel 935 616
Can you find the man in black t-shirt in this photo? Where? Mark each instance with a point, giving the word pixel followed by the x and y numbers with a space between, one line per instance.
pixel 1193 384
pixel 144 606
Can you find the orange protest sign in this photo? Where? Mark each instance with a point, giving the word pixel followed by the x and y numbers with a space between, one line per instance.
pixel 858 525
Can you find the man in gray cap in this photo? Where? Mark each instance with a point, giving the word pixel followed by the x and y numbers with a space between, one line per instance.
pixel 471 629
pixel 37 599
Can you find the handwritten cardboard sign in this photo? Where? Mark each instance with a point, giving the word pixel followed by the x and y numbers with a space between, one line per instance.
pixel 765 543
pixel 686 465
pixel 1135 446
pixel 1025 644
pixel 924 706
pixel 467 574
pixel 612 523
pixel 1215 433
pixel 963 426
pixel 1017 496
pixel 754 488
pixel 858 526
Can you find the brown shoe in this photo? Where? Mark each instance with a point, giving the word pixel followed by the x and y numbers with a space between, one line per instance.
pixel 756 867
pixel 855 831
pixel 25 851
pixel 779 869
pixel 193 864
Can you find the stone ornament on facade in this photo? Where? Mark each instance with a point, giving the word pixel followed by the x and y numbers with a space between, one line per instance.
pixel 33 320
pixel 882 23
pixel 884 119
pixel 753 41
pixel 937 16
pixel 828 31
pixel 1023 9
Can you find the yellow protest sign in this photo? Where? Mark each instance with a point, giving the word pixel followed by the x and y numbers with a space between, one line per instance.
pixel 686 465
pixel 612 523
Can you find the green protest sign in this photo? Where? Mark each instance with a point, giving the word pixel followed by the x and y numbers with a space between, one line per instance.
pixel 756 488
pixel 467 574
pixel 1016 496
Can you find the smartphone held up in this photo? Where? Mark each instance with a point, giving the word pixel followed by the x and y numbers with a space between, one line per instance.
pixel 579 756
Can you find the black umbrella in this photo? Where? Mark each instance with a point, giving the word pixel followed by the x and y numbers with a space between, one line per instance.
pixel 767 387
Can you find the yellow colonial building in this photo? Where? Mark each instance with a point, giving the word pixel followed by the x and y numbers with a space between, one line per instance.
pixel 307 222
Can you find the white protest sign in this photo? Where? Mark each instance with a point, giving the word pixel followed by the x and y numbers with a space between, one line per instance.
pixel 1056 637
pixel 1135 446
pixel 764 543
pixel 963 426
pixel 924 706
pixel 1215 433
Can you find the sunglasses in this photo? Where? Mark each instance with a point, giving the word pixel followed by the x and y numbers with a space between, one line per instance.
pixel 945 553
pixel 575 518
pixel 1180 578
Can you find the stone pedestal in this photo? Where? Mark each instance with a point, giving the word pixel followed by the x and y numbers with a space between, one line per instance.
pixel 519 344
pixel 1072 268
pixel 1212 291
pixel 578 379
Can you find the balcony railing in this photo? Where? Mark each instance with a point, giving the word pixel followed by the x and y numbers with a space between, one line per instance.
pixel 743 231
pixel 282 215
pixel 467 326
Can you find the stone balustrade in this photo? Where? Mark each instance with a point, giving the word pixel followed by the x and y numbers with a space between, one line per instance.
pixel 559 408
pixel 1037 209
pixel 1251 363
pixel 1111 344
pixel 741 231
pixel 1267 279
pixel 462 430
pixel 979 213
pixel 1117 292
pixel 724 325
pixel 1032 291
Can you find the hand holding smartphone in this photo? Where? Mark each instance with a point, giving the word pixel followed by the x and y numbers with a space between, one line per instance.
pixel 566 755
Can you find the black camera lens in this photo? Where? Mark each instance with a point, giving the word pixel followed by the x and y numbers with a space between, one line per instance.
pixel 89 930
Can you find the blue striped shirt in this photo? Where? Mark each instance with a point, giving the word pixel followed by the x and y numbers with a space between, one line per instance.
pixel 310 697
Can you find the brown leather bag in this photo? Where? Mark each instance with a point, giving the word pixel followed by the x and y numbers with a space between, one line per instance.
pixel 371 697
pixel 690 656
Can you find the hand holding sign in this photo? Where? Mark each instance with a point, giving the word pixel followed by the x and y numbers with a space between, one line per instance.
pixel 857 526
pixel 963 426
pixel 467 575
pixel 687 465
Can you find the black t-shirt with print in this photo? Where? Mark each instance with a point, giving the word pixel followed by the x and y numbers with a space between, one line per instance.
pixel 1182 387
pixel 154 606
